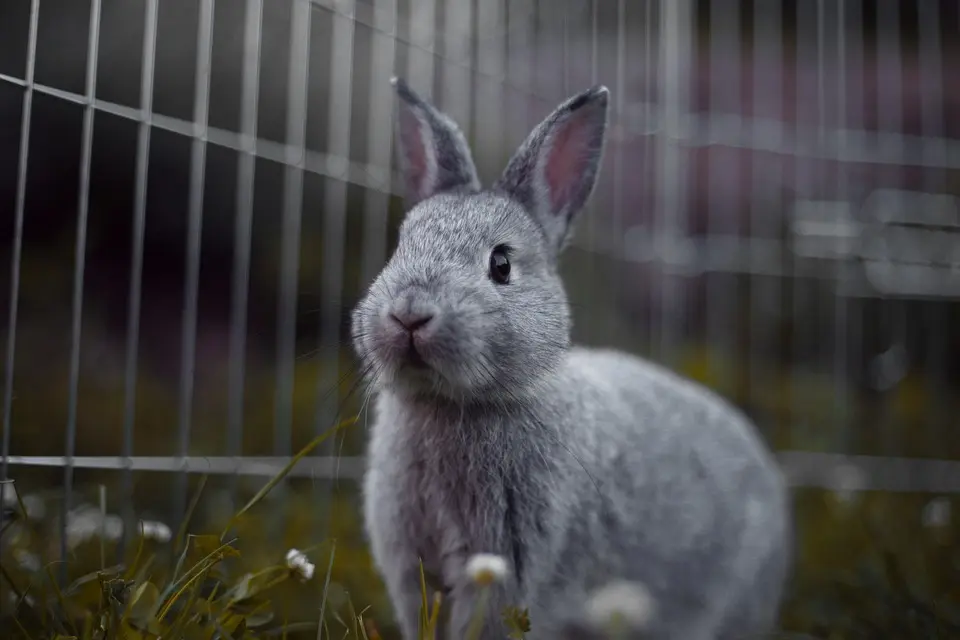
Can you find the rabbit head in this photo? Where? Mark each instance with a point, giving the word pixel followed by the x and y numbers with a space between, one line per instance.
pixel 470 305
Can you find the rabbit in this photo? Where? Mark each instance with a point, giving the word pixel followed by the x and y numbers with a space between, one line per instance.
pixel 491 433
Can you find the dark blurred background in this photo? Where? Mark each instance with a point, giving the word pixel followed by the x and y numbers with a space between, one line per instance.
pixel 777 217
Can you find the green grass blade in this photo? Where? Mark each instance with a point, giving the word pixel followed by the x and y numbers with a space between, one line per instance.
pixel 103 527
pixel 326 590
pixel 267 488
pixel 61 600
pixel 424 605
pixel 175 590
pixel 132 569
pixel 188 517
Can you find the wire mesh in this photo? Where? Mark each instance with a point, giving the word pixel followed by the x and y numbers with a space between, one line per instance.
pixel 780 191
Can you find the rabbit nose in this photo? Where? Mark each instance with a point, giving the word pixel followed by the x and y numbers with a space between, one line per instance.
pixel 411 321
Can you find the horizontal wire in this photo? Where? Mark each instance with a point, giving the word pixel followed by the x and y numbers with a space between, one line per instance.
pixel 801 468
pixel 312 161
pixel 326 466
pixel 755 134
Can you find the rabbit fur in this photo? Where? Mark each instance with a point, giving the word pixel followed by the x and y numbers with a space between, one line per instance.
pixel 493 434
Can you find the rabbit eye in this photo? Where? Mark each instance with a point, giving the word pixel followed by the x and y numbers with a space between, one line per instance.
pixel 500 265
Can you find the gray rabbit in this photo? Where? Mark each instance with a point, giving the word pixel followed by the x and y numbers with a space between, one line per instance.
pixel 492 434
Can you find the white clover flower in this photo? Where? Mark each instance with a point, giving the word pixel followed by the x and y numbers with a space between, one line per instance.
pixel 486 568
pixel 937 513
pixel 620 603
pixel 26 560
pixel 86 523
pixel 154 530
pixel 35 506
pixel 14 599
pixel 299 564
pixel 849 481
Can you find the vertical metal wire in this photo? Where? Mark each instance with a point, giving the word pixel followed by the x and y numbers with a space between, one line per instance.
pixel 490 64
pixel 83 210
pixel 616 239
pixel 820 171
pixel 676 30
pixel 852 119
pixel 530 89
pixel 565 48
pixel 17 250
pixel 823 181
pixel 647 170
pixel 380 138
pixel 517 73
pixel 766 177
pixel 724 186
pixel 246 170
pixel 592 220
pixel 298 74
pixel 798 286
pixel 840 310
pixel 421 63
pixel 934 155
pixel 890 114
pixel 335 212
pixel 198 163
pixel 136 267
pixel 594 41
pixel 457 49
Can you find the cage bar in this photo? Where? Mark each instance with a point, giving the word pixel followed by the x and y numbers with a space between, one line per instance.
pixel 649 162
pixel 801 468
pixel 805 24
pixel 841 311
pixel 17 252
pixel 301 19
pixel 135 295
pixel 421 63
pixel 676 27
pixel 591 228
pixel 491 72
pixel 933 129
pixel 198 162
pixel 819 174
pixel 723 170
pixel 335 220
pixel 890 114
pixel 457 46
pixel 242 241
pixel 79 268
pixel 380 136
pixel 765 178
pixel 619 102
pixel 864 147
pixel 852 112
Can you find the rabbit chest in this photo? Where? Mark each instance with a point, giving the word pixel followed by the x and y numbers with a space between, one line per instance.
pixel 453 486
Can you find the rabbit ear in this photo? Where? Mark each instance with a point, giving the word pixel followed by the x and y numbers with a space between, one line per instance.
pixel 434 155
pixel 554 171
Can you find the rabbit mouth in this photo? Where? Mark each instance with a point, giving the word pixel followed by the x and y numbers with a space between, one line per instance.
pixel 413 357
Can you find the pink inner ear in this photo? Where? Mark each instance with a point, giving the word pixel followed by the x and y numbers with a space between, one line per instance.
pixel 567 160
pixel 414 150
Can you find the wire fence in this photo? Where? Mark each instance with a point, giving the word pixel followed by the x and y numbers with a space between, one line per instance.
pixel 780 193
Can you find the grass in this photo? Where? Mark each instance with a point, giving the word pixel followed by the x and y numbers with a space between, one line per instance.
pixel 865 569
pixel 206 594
